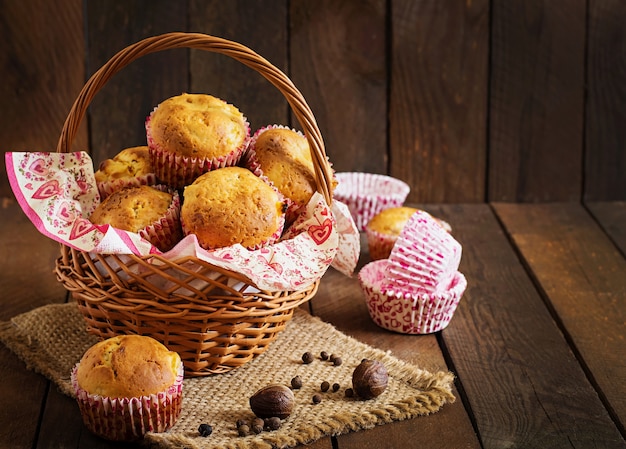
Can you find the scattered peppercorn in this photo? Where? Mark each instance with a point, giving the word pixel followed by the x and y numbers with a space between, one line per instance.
pixel 336 387
pixel 205 430
pixel 296 383
pixel 272 423
pixel 349 392
pixel 307 357
pixel 317 399
pixel 325 386
pixel 241 422
pixel 337 361
pixel 324 355
pixel 332 357
pixel 257 425
pixel 243 430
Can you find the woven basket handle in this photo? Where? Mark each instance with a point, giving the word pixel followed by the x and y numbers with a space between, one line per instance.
pixel 236 51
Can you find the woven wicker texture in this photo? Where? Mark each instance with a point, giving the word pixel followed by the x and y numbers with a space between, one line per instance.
pixel 205 313
pixel 52 339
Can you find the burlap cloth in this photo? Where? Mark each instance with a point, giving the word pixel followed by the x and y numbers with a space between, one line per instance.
pixel 51 339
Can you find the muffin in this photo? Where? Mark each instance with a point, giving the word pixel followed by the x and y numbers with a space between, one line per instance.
pixel 127 386
pixel 191 134
pixel 152 212
pixel 130 167
pixel 232 205
pixel 282 156
pixel 383 229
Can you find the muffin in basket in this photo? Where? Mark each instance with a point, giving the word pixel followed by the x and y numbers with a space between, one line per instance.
pixel 191 134
pixel 232 205
pixel 383 229
pixel 151 211
pixel 130 167
pixel 282 156
pixel 127 386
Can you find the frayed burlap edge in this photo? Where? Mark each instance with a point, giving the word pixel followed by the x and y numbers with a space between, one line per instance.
pixel 431 390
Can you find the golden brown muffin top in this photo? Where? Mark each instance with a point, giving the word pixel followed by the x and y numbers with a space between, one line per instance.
pixel 197 126
pixel 391 221
pixel 132 208
pixel 231 205
pixel 128 163
pixel 127 366
pixel 285 158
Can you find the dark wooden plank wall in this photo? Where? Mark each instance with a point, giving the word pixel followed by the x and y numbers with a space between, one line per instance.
pixel 467 101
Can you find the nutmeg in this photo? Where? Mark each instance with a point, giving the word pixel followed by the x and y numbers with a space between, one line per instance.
pixel 273 400
pixel 369 379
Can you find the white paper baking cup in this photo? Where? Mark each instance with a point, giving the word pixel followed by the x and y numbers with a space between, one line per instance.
pixel 366 194
pixel 424 259
pixel 404 312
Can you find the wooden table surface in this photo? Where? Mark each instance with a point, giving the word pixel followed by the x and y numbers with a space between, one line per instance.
pixel 537 344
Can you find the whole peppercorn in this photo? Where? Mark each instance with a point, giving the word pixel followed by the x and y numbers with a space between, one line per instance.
pixel 296 383
pixel 337 361
pixel 324 355
pixel 273 423
pixel 349 392
pixel 243 430
pixel 316 399
pixel 331 358
pixel 257 425
pixel 370 379
pixel 325 386
pixel 336 387
pixel 205 430
pixel 242 421
pixel 307 357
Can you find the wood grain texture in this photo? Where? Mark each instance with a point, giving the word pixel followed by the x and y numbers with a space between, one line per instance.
pixel 536 100
pixel 520 377
pixel 42 71
pixel 118 112
pixel 438 103
pixel 260 25
pixel 582 275
pixel 338 61
pixel 605 136
pixel 21 390
pixel 611 215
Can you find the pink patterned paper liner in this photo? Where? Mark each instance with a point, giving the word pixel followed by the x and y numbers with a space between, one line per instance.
pixel 424 258
pixel 379 244
pixel 179 171
pixel 404 312
pixel 129 419
pixel 57 191
pixel 166 232
pixel 366 194
pixel 108 187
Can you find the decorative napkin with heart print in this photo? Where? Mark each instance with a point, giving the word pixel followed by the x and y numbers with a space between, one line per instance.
pixel 57 191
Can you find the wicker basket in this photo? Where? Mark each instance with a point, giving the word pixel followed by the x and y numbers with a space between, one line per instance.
pixel 214 318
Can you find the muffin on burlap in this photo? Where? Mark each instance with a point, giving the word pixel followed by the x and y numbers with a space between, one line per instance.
pixel 191 134
pixel 127 386
pixel 383 229
pixel 232 205
pixel 130 167
pixel 151 211
pixel 283 157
